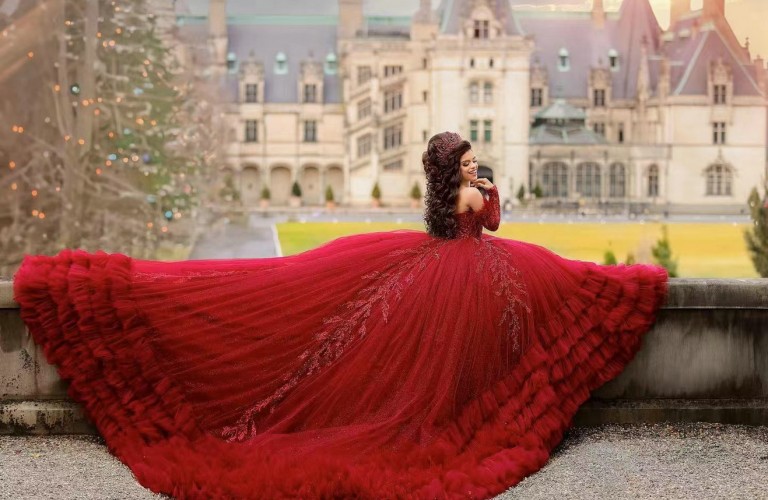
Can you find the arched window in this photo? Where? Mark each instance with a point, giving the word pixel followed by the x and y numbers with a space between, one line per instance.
pixel 719 180
pixel 588 180
pixel 617 180
pixel 653 181
pixel 281 63
pixel 554 180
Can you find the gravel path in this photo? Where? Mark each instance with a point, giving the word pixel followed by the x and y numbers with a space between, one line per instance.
pixel 681 461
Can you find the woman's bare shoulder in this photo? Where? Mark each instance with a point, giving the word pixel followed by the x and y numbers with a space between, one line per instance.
pixel 469 197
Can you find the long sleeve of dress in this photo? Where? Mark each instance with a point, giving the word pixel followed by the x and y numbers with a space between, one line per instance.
pixel 490 214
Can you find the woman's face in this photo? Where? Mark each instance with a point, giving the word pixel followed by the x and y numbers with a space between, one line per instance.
pixel 468 165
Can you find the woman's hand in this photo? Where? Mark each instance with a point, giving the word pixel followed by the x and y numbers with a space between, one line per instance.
pixel 483 183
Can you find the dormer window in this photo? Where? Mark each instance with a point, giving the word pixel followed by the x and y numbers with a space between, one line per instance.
pixel 281 64
pixel 330 64
pixel 613 59
pixel 564 63
pixel 231 62
pixel 481 28
pixel 719 93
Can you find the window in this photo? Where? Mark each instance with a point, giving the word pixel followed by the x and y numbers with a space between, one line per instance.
pixel 613 59
pixel 718 133
pixel 472 62
pixel 393 136
pixel 424 63
pixel 490 62
pixel 310 92
pixel 487 130
pixel 481 29
pixel 473 126
pixel 393 100
pixel 488 92
pixel 620 133
pixel 251 92
pixel 653 181
pixel 617 181
pixel 363 74
pixel 310 131
pixel 719 180
pixel 474 92
pixel 424 136
pixel 392 70
pixel 363 108
pixel 393 165
pixel 599 128
pixel 281 64
pixel 424 96
pixel 537 96
pixel 599 97
pixel 231 62
pixel 554 180
pixel 251 131
pixel 564 63
pixel 719 94
pixel 588 180
pixel 363 145
pixel 330 64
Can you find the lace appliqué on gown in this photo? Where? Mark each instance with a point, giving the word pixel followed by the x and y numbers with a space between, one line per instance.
pixel 346 326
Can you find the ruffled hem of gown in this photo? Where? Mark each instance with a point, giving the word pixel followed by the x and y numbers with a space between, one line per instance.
pixel 78 307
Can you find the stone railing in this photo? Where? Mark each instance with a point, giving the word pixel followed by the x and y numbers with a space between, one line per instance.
pixel 706 359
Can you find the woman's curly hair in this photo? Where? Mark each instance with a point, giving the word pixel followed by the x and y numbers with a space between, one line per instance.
pixel 441 166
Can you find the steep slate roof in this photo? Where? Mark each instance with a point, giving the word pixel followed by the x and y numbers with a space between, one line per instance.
pixel 300 27
pixel 452 13
pixel 691 56
pixel 624 31
pixel 588 46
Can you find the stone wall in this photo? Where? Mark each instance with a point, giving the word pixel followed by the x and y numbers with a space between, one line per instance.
pixel 706 359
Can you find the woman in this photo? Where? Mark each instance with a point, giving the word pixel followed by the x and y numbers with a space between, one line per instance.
pixel 444 364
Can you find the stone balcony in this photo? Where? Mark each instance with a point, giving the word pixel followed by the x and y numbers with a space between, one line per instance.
pixel 706 359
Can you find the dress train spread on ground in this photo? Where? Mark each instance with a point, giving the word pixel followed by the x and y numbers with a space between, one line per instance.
pixel 390 364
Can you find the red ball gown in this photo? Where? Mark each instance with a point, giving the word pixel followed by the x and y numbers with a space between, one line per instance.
pixel 383 365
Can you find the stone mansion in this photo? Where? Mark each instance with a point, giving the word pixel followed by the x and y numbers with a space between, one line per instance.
pixel 592 108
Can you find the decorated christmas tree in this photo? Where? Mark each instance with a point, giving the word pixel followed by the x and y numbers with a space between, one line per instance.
pixel 97 135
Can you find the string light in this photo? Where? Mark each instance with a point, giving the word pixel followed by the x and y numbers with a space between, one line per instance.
pixel 14 186
pixel 34 193
pixel 11 164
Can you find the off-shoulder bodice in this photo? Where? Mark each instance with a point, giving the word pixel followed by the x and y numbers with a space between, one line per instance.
pixel 471 222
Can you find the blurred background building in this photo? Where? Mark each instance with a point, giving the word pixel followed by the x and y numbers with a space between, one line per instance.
pixel 588 109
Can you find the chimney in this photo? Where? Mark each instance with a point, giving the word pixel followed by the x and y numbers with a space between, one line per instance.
pixel 217 30
pixel 714 9
pixel 598 14
pixel 350 18
pixel 677 9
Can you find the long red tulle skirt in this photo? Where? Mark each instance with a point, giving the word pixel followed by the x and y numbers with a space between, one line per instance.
pixel 382 365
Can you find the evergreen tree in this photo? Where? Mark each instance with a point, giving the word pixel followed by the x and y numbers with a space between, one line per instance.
pixel 757 237
pixel 662 254
pixel 609 258
pixel 521 194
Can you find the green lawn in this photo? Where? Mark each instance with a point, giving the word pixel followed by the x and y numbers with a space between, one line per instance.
pixel 714 250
